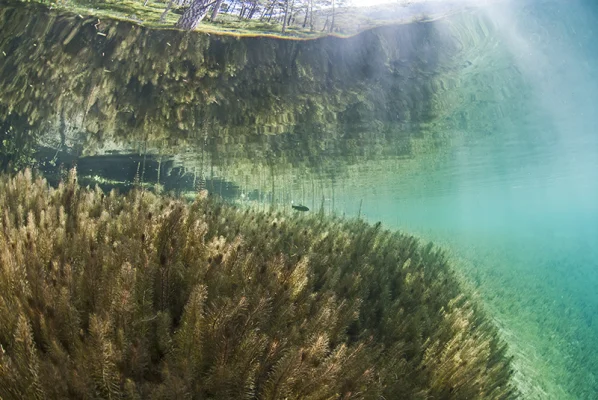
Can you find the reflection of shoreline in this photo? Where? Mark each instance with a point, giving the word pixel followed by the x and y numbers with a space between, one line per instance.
pixel 233 89
pixel 387 12
pixel 125 171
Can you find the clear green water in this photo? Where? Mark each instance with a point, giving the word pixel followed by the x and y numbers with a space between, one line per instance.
pixel 515 203
pixel 519 208
pixel 524 230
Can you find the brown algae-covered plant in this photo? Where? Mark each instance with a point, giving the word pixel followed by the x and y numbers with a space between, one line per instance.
pixel 139 296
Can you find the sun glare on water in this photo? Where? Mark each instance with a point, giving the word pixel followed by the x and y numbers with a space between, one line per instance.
pixel 366 3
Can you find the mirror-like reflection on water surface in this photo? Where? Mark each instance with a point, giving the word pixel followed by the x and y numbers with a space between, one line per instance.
pixel 477 131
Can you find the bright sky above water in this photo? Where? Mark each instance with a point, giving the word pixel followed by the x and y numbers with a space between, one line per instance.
pixel 365 3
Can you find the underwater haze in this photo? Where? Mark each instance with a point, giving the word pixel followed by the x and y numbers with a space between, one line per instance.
pixel 519 206
pixel 475 128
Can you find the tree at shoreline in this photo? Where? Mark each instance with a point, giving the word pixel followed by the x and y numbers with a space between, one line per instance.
pixel 300 13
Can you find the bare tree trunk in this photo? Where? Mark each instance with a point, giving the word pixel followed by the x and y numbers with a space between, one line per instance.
pixel 268 9
pixel 194 15
pixel 263 13
pixel 311 15
pixel 306 15
pixel 216 10
pixel 333 12
pixel 163 16
pixel 231 7
pixel 286 12
pixel 253 10
pixel 290 17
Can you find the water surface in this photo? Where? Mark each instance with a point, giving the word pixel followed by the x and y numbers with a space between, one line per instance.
pixel 491 151
pixel 518 208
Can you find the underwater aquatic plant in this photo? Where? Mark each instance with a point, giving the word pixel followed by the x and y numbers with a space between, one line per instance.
pixel 140 296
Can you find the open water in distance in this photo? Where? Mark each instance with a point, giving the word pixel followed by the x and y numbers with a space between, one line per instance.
pixel 516 207
pixel 519 208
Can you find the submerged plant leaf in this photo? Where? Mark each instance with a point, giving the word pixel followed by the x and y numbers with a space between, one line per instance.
pixel 141 296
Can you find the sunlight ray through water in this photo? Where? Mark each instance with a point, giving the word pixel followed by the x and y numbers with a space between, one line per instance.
pixel 472 127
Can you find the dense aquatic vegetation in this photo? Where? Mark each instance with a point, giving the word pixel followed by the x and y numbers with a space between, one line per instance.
pixel 142 296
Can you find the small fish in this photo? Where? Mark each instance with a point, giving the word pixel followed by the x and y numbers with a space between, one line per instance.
pixel 300 208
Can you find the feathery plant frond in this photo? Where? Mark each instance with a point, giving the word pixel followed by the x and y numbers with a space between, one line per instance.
pixel 143 296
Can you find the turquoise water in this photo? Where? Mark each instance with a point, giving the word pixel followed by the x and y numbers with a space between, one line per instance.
pixel 518 209
pixel 512 196
pixel 525 235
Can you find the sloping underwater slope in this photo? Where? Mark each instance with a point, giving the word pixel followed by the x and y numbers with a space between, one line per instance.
pixel 139 296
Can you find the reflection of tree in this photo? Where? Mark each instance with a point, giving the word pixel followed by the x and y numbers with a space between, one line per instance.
pixel 315 107
pixel 194 14
pixel 177 84
pixel 288 13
